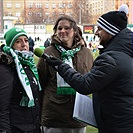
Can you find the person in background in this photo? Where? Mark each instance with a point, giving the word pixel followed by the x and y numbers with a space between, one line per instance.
pixel 111 77
pixel 47 42
pixel 58 97
pixel 19 85
pixel 31 44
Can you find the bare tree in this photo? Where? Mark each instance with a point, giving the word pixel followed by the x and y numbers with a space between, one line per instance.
pixel 64 8
pixel 54 16
pixel 34 14
pixel 80 11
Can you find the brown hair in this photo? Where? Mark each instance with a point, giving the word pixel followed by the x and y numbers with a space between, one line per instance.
pixel 78 32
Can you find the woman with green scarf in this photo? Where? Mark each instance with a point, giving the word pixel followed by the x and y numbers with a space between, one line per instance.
pixel 19 85
pixel 58 97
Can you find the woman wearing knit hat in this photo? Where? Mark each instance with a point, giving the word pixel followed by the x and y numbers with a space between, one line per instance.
pixel 19 86
pixel 111 78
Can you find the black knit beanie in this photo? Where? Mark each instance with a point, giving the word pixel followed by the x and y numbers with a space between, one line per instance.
pixel 114 21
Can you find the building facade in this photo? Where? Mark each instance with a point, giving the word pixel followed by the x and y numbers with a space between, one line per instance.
pixel 41 14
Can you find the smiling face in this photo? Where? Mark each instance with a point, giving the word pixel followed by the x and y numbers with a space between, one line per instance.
pixel 65 32
pixel 21 44
pixel 104 37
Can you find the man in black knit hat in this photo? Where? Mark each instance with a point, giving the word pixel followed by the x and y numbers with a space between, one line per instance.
pixel 111 78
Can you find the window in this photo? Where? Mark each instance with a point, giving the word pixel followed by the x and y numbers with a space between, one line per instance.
pixel 62 5
pixel 47 14
pixel 30 5
pixel 53 5
pixel 18 6
pixel 69 5
pixel 18 14
pixel 47 5
pixel 9 5
pixel 38 5
pixel 38 14
pixel 9 14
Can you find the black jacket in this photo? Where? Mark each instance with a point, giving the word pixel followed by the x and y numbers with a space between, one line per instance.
pixel 111 82
pixel 13 117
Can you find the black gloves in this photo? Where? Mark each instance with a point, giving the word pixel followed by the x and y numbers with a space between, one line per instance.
pixel 54 62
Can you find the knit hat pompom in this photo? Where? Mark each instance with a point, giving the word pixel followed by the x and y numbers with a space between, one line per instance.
pixel 114 21
pixel 123 8
pixel 13 34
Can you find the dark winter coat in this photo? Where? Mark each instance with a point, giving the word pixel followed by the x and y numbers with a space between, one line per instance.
pixel 47 43
pixel 31 44
pixel 13 117
pixel 57 110
pixel 111 82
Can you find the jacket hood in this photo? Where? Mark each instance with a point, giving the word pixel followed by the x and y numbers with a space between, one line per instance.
pixel 122 42
pixel 5 58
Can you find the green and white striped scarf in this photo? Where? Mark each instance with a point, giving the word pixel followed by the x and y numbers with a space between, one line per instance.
pixel 66 56
pixel 24 57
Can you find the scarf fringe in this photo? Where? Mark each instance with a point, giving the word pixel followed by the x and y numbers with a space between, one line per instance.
pixel 66 56
pixel 66 91
pixel 26 102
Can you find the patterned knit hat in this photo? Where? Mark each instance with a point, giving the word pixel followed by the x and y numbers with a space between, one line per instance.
pixel 114 21
pixel 12 34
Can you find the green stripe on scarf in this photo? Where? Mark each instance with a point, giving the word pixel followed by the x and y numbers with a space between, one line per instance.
pixel 24 57
pixel 66 56
pixel 66 90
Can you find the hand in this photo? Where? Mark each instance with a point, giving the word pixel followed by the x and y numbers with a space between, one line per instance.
pixel 54 62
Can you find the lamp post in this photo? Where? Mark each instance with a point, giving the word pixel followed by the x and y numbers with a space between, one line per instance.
pixel 80 13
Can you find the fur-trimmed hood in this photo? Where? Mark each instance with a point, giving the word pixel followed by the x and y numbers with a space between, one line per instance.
pixel 5 58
